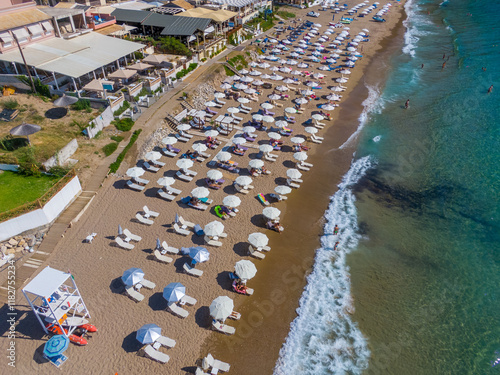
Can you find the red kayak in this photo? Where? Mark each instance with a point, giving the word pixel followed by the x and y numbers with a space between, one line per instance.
pixel 75 339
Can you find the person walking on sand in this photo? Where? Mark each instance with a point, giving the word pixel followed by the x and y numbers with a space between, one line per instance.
pixel 407 104
pixel 490 89
pixel 336 230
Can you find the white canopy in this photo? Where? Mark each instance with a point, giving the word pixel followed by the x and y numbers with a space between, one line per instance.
pixel 46 282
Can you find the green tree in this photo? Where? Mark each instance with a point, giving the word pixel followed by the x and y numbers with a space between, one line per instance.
pixel 173 45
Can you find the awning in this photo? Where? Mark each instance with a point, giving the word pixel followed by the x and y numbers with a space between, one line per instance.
pixel 46 282
pixel 209 30
pixel 6 37
pixel 47 26
pixel 35 29
pixel 191 38
pixel 21 33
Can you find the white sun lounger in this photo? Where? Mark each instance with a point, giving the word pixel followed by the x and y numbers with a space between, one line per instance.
pixel 179 230
pixel 212 242
pixel 245 111
pixel 235 315
pixel 148 284
pixel 314 136
pixel 178 311
pixel 155 355
pixel 189 172
pixel 219 101
pixel 210 361
pixel 148 213
pixel 166 341
pixel 169 249
pixel 186 224
pixel 302 167
pixel 134 294
pixel 308 165
pixel 142 220
pixel 181 138
pixel 239 189
pixel 292 184
pixel 162 258
pixel 188 300
pixel 268 158
pixel 140 181
pixel 223 328
pixel 131 185
pixel 199 371
pixel 161 193
pixel 183 177
pixel 166 152
pixel 123 244
pixel 157 163
pixel 149 167
pixel 191 271
pixel 261 248
pixel 254 253
pixel 185 134
pixel 131 237
pixel 172 190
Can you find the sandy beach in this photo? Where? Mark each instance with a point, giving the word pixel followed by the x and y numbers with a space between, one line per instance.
pixel 266 315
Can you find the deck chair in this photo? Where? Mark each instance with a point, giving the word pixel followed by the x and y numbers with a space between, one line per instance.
pixel 199 371
pixel 140 181
pixel 254 253
pixel 148 284
pixel 157 163
pixel 261 248
pixel 269 158
pixel 185 135
pixel 172 190
pixel 166 342
pixel 292 184
pixel 179 230
pixel 161 258
pixel 239 189
pixel 123 244
pixel 183 177
pixel 185 224
pixel 178 311
pixel 210 361
pixel 131 237
pixel 315 140
pixel 212 242
pixel 161 193
pixel 235 315
pixel 168 153
pixel 199 206
pixel 243 110
pixel 305 164
pixel 131 185
pixel 189 172
pixel 188 300
pixel 149 167
pixel 148 213
pixel 181 138
pixel 314 136
pixel 192 271
pixel 155 355
pixel 134 294
pixel 143 220
pixel 169 249
pixel 302 167
pixel 223 328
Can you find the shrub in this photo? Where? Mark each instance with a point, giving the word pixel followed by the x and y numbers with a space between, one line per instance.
pixel 59 171
pixel 173 45
pixel 114 166
pixel 28 165
pixel 138 55
pixel 116 138
pixel 123 108
pixel 81 105
pixel 10 104
pixel 125 124
pixel 110 148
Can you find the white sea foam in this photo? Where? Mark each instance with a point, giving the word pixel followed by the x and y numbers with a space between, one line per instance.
pixel 323 339
pixel 371 104
pixel 415 24
pixel 377 139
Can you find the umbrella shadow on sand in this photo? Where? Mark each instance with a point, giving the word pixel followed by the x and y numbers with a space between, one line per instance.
pixel 130 344
pixel 120 184
pixel 241 248
pixel 116 286
pixel 157 302
pixel 56 113
pixel 38 355
pixel 224 281
pixel 289 164
pixel 202 317
pixel 258 221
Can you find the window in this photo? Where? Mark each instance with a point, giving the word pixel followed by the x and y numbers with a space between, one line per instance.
pixel 36 31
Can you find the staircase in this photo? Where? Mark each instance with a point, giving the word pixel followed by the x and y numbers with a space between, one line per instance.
pixel 172 121
pixel 232 68
pixel 187 105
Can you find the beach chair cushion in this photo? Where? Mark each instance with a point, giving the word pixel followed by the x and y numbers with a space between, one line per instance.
pixel 125 245
pixel 162 194
pixel 133 186
pixel 166 341
pixel 179 230
pixel 134 294
pixel 192 271
pixel 155 355
pixel 143 220
pixel 162 258
pixel 178 311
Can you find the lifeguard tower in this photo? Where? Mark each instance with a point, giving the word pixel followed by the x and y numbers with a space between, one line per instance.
pixel 55 298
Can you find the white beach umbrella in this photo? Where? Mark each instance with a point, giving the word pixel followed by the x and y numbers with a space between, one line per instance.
pixel 258 82
pixel 241 86
pixel 312 84
pixel 135 172
pixel 214 174
pixel 200 114
pixel 292 62
pixel 350 64
pixel 282 88
pixel 336 89
pixel 223 156
pixel 333 97
pixel 289 80
pixel 267 105
pixel 274 69
pixel 282 190
pixel 243 100
pixel 365 30
pixel 148 333
pixel 266 148
pixel 324 67
pixel 219 95
pixel 239 141
pixel 318 117
pixel 302 65
pixel 264 65
pixel 293 173
pixel 243 180
pixel 246 79
pixel 254 64
pixel 307 92
pixel 285 69
pixel 341 80
pixel 250 91
pixel 311 130
pixel 225 86
pixel 221 308
pixel 351 49
pixel 328 107
pixel 290 110
pixel 199 254
pixel 300 156
pixel 274 96
pixel 200 147
pixel 184 163
pixel 297 140
pixel 258 239
pixel 276 77
pixel 183 127
pixel 267 119
pixel 274 135
pixel 233 110
pixel 345 71
pixel 257 117
pixel 248 129
pixel 166 181
pixel 152 155
pixel 174 292
pixel 245 269
pixel 301 100
pixel 231 201
pixel 281 124
pixel 243 71
pixel 256 163
pixel 200 192
pixel 271 213
pixel 318 75
pixel 212 133
pixel 214 228
pixel 255 73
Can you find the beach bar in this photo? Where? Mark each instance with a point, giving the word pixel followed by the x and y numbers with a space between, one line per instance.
pixel 55 298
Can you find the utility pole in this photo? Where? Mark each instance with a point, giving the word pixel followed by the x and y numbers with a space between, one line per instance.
pixel 25 64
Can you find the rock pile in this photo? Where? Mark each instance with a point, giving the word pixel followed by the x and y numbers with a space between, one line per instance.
pixel 203 94
pixel 154 140
pixel 18 244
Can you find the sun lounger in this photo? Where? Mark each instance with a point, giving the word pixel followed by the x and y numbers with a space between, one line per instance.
pixel 179 230
pixel 192 271
pixel 223 328
pixel 188 300
pixel 149 167
pixel 131 237
pixel 166 341
pixel 161 193
pixel 181 138
pixel 219 101
pixel 292 184
pixel 185 134
pixel 199 371
pixel 185 224
pixel 123 244
pixel 302 167
pixel 198 206
pixel 183 177
pixel 236 118
pixel 313 136
pixel 178 311
pixel 166 152
pixel 210 361
pixel 235 315
pixel 189 172
pixel 140 181
pixel 148 284
pixel 239 189
pixel 254 253
pixel 143 220
pixel 155 355
pixel 134 294
pixel 308 165
pixel 157 163
pixel 162 258
pixel 169 249
pixel 212 242
pixel 172 190
pixel 269 158
pixel 133 186
pixel 245 110
pixel 148 213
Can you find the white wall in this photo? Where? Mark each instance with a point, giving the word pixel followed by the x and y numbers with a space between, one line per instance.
pixel 42 216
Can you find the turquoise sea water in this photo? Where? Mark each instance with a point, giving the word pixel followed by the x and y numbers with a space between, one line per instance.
pixel 419 254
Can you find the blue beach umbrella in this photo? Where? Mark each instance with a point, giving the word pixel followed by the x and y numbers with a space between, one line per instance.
pixel 173 292
pixel 132 276
pixel 199 254
pixel 148 333
pixel 158 244
pixel 56 346
pixel 120 230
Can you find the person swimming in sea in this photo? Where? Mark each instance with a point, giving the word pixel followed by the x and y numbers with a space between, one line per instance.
pixel 336 244
pixel 490 89
pixel 407 104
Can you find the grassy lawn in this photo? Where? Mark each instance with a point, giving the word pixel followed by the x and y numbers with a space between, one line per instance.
pixel 18 190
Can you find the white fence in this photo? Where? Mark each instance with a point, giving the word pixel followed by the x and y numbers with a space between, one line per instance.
pixel 42 216
pixel 100 122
